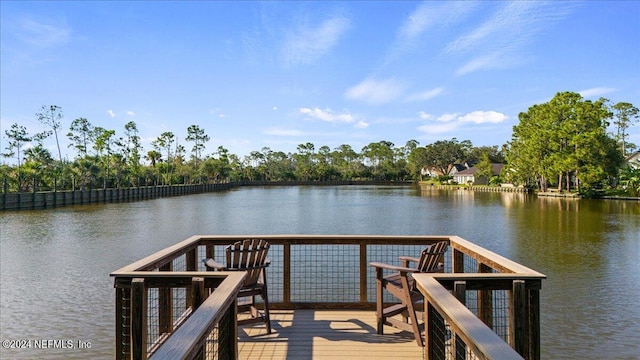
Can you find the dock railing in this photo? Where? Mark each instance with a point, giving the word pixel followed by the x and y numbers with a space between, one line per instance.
pixel 161 314
pixel 502 296
pixel 333 272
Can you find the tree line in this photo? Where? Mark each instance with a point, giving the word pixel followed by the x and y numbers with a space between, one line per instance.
pixel 561 143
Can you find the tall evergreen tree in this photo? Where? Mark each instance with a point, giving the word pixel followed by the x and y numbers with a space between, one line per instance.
pixel 565 139
pixel 196 135
pixel 625 115
pixel 51 116
pixel 80 133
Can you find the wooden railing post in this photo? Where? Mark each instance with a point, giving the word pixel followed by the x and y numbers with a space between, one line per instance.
pixel 228 350
pixel 192 259
pixel 435 334
pixel 460 292
pixel 458 261
pixel 380 306
pixel 518 318
pixel 534 324
pixel 426 317
pixel 485 300
pixel 363 273
pixel 165 305
pixel 286 276
pixel 198 294
pixel 138 319
pixel 210 251
pixel 123 323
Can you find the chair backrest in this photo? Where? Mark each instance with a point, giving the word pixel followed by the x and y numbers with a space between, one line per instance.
pixel 248 255
pixel 432 257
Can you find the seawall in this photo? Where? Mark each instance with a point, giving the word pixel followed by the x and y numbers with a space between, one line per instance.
pixel 51 199
pixel 479 188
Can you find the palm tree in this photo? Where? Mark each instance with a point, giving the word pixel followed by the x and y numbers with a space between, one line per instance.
pixel 38 161
pixel 85 171
pixel 630 180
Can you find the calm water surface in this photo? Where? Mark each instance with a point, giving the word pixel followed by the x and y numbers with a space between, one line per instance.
pixel 55 264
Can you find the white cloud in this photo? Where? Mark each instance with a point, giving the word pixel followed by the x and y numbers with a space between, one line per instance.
pixel 438 128
pixel 275 108
pixel 482 117
pixel 484 62
pixel 361 125
pixel 477 117
pixel 453 121
pixel 424 115
pixel 514 22
pixel 43 34
pixel 425 95
pixel 111 113
pixel 431 14
pixel 447 117
pixel 130 113
pixel 376 92
pixel 596 92
pixel 501 40
pixel 327 115
pixel 305 45
pixel 217 112
pixel 418 21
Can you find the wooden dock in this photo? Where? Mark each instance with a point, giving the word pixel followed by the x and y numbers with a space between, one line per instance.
pixel 559 194
pixel 170 287
pixel 325 334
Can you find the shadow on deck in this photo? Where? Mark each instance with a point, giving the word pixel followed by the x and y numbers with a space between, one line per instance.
pixel 325 334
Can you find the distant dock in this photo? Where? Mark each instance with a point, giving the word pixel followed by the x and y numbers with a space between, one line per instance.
pixel 559 194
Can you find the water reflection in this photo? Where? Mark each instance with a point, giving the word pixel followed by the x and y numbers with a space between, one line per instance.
pixel 590 251
pixel 576 243
pixel 54 264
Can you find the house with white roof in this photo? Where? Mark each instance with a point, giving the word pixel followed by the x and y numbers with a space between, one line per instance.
pixel 469 175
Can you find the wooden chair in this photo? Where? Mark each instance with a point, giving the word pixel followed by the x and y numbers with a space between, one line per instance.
pixel 249 255
pixel 402 286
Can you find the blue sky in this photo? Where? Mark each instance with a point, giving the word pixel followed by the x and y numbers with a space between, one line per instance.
pixel 278 74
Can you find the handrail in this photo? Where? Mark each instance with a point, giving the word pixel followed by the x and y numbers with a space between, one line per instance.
pixel 323 238
pixel 485 256
pixel 138 291
pixel 512 311
pixel 188 339
pixel 160 257
pixel 485 344
pixel 490 258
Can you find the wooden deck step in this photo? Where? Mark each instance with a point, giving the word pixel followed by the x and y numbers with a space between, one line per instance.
pixel 325 334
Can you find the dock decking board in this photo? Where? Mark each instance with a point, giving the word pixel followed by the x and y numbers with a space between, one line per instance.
pixel 325 334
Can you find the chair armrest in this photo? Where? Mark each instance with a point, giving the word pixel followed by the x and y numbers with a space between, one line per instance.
pixel 212 264
pixel 409 258
pixel 406 260
pixel 401 269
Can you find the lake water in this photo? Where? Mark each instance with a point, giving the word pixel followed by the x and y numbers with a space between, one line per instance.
pixel 55 264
